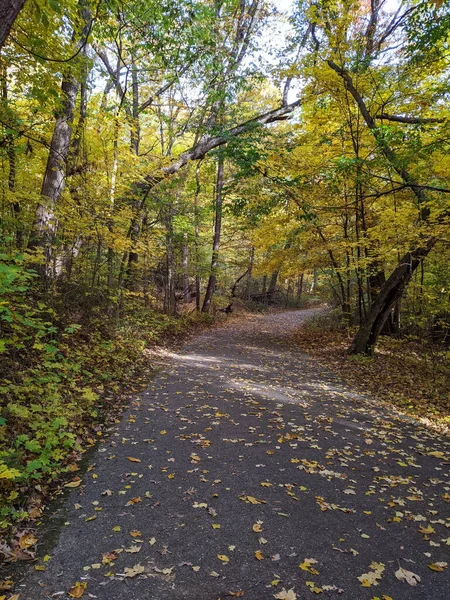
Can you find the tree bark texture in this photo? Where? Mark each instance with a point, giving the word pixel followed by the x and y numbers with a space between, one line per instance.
pixel 9 9
pixel 211 287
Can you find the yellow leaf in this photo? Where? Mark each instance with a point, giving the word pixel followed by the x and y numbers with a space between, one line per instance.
pixel 258 555
pixel 438 566
pixel 73 484
pixel 251 500
pixel 306 565
pixel 426 530
pixel 132 459
pixel 223 558
pixel 215 525
pixel 436 454
pixel 266 484
pixel 133 571
pixel 78 589
pixel 27 540
pixel 257 527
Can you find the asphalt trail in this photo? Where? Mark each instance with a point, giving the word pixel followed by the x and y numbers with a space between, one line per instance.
pixel 252 458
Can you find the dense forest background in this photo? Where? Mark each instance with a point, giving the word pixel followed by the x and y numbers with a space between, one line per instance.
pixel 160 160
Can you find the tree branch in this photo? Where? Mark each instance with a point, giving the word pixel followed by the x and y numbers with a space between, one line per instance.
pixel 409 120
pixel 207 143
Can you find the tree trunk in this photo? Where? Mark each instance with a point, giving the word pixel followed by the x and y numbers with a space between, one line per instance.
pixel 288 292
pixel 185 267
pixel 249 273
pixel 11 153
pixel 299 289
pixel 9 9
pixel 45 224
pixel 44 228
pixel 272 286
pixel 197 236
pixel 170 305
pixel 390 294
pixel 211 287
pixel 394 287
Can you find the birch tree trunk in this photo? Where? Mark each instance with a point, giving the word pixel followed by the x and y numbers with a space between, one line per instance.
pixel 45 224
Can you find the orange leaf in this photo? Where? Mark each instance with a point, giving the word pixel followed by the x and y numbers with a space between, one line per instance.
pixel 78 590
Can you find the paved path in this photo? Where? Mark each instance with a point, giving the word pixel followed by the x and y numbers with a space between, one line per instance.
pixel 253 458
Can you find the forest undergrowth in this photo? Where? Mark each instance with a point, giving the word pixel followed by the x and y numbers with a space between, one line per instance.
pixel 409 373
pixel 67 372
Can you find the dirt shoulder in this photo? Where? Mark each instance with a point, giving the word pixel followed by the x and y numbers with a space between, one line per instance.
pixel 409 374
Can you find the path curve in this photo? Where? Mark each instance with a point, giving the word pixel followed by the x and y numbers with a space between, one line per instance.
pixel 253 458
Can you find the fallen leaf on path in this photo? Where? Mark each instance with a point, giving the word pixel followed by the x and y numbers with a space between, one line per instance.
pixel 258 555
pixel 306 565
pixel 135 533
pixel 133 549
pixel 251 500
pixel 73 484
pixel 407 576
pixel 286 595
pixel 427 530
pixel 223 557
pixel 257 527
pixel 78 589
pixel 134 501
pixel 132 459
pixel 372 577
pixel 313 588
pixel 133 571
pixel 438 566
pixel 437 454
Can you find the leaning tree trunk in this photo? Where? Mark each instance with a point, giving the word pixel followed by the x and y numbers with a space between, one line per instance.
pixel 391 292
pixel 211 287
pixel 9 9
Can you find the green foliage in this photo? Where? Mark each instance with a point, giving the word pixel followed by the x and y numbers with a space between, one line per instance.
pixel 60 380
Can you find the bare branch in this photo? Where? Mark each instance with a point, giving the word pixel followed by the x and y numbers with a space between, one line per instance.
pixel 409 120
